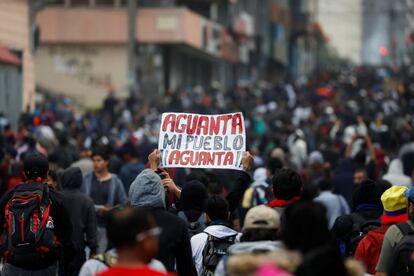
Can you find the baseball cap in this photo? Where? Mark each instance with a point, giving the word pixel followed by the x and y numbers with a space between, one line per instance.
pixel 35 165
pixel 395 205
pixel 262 217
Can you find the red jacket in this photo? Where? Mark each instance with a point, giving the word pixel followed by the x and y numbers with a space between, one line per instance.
pixel 369 248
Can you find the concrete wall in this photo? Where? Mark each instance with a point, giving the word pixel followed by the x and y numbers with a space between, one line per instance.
pixel 14 34
pixel 341 20
pixel 100 25
pixel 84 72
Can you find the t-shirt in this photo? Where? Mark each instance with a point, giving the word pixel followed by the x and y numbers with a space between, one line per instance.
pixel 100 191
pixel 142 271
pixel 392 237
pixel 99 195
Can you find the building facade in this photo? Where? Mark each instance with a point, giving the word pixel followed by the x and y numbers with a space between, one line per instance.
pixel 386 32
pixel 181 44
pixel 342 22
pixel 17 74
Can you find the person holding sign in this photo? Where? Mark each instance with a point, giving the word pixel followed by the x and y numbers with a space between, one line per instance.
pixel 235 195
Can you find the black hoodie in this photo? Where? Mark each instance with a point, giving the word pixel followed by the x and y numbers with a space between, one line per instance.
pixel 81 210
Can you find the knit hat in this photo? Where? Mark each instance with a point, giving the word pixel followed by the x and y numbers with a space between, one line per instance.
pixel 262 217
pixel 35 166
pixel 369 192
pixel 193 199
pixel 395 205
pixel 147 191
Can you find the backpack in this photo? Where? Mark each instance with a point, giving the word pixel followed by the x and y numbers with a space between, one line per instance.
pixel 260 195
pixel 370 250
pixel 29 230
pixel 214 250
pixel 256 195
pixel 107 259
pixel 402 264
pixel 360 229
pixel 194 227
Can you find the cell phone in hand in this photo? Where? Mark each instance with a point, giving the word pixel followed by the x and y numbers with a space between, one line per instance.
pixel 162 173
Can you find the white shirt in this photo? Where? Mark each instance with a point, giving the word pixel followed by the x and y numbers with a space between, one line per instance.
pixel 92 267
pixel 335 205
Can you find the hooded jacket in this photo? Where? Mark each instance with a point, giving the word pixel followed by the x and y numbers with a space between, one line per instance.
pixel 146 191
pixel 81 210
pixel 395 174
pixel 199 241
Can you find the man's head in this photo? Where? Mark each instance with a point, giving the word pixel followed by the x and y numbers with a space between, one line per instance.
pixel 359 176
pixel 71 178
pixel 409 194
pixel 100 159
pixel 193 199
pixel 217 208
pixel 129 152
pixel 35 167
pixel 306 226
pixel 368 192
pixel 286 184
pixel 273 164
pixel 133 232
pixel 316 159
pixel 261 223
pixel 325 185
pixel 147 190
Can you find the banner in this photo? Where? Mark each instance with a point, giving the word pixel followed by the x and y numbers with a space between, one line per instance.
pixel 202 141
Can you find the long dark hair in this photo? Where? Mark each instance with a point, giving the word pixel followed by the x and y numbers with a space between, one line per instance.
pixel 306 226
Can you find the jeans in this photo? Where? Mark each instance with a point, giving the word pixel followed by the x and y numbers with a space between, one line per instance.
pixel 10 270
pixel 102 240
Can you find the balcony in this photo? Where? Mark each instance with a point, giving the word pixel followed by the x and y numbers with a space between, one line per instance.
pixel 59 25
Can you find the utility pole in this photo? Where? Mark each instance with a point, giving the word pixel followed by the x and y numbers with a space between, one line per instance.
pixel 132 48
pixel 409 30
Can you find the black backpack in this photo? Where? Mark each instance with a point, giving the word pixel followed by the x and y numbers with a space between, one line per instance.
pixel 402 264
pixel 360 229
pixel 28 234
pixel 214 250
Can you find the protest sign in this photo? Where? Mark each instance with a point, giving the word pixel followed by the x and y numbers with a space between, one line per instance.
pixel 202 141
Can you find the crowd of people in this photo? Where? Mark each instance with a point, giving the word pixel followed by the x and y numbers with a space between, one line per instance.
pixel 326 186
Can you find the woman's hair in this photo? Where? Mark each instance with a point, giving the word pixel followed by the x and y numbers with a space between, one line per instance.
pixel 306 226
pixel 325 260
